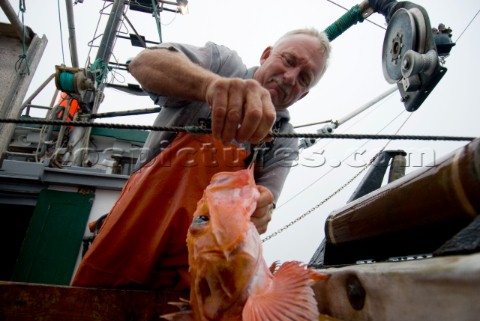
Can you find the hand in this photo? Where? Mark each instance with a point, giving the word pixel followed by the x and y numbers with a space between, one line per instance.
pixel 241 110
pixel 263 213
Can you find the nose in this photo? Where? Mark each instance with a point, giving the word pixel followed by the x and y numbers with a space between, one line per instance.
pixel 290 76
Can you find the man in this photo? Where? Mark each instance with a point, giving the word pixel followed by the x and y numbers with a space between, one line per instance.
pixel 142 242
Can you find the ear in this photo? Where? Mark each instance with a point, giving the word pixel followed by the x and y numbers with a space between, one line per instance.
pixel 303 95
pixel 266 53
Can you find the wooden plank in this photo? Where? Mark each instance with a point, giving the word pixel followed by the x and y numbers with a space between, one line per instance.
pixel 447 192
pixel 30 302
pixel 444 288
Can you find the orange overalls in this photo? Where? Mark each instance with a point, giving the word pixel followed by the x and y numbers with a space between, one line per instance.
pixel 142 242
pixel 69 105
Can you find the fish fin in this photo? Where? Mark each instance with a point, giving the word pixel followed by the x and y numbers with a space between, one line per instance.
pixel 185 313
pixel 178 316
pixel 290 296
pixel 274 266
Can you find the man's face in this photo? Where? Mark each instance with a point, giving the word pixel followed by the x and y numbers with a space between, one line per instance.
pixel 290 69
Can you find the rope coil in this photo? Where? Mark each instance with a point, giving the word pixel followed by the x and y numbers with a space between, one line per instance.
pixel 350 18
pixel 66 81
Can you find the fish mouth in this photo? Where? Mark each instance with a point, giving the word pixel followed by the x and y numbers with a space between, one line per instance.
pixel 215 302
pixel 218 254
pixel 212 253
pixel 217 288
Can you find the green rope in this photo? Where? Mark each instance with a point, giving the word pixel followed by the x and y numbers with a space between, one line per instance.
pixel 350 18
pixel 102 68
pixel 157 19
pixel 23 56
pixel 66 81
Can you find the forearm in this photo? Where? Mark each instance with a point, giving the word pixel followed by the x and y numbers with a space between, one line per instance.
pixel 241 108
pixel 169 73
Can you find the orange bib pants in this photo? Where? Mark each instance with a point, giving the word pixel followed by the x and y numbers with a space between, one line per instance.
pixel 142 243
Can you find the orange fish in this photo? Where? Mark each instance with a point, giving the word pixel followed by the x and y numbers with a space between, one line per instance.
pixel 230 278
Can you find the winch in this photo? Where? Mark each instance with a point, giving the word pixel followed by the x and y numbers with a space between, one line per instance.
pixel 410 57
pixel 412 50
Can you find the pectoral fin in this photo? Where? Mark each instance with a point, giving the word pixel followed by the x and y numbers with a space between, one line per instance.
pixel 290 296
pixel 185 313
pixel 178 316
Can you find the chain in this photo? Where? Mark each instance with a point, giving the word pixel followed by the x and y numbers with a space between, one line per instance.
pixel 371 136
pixel 190 129
pixel 301 217
pixel 201 130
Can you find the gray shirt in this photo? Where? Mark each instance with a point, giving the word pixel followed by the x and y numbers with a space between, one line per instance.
pixel 276 158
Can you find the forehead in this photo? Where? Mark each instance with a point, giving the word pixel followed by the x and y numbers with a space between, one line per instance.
pixel 304 47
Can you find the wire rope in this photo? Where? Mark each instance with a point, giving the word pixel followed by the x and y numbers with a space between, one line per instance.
pixel 61 31
pixel 299 218
pixel 468 26
pixel 203 130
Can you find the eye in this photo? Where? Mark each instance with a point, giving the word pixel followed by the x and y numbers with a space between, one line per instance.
pixel 289 60
pixel 305 80
pixel 202 219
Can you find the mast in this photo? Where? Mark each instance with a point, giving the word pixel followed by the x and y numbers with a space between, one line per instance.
pixel 106 45
pixel 72 36
pixel 79 138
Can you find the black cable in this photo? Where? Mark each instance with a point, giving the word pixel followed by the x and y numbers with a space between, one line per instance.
pixel 202 130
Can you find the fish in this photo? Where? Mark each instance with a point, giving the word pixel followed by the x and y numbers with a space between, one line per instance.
pixel 230 279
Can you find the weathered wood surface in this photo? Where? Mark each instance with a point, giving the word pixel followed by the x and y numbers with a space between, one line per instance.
pixel 30 302
pixel 436 289
pixel 446 288
pixel 447 192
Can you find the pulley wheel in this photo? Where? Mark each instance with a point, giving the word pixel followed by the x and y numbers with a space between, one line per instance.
pixel 401 36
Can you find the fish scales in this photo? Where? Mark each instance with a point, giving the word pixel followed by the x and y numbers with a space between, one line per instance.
pixel 230 280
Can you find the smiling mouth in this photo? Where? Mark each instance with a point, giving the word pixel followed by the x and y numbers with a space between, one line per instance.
pixel 278 87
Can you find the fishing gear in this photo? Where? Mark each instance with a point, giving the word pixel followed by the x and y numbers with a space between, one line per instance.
pixel 412 49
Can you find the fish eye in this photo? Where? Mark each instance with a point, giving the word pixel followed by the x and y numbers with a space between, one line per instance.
pixel 202 219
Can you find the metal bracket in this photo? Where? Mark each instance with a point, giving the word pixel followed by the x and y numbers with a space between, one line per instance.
pixel 410 57
pixel 464 242
pixel 374 177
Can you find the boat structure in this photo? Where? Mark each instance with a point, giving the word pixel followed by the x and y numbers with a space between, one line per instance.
pixel 405 246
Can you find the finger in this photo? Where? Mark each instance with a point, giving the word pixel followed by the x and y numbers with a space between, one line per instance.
pixel 218 103
pixel 261 228
pixel 265 198
pixel 234 110
pixel 253 110
pixel 267 121
pixel 261 217
pixel 263 213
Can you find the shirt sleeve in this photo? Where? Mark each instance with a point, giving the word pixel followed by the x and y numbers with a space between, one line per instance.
pixel 216 58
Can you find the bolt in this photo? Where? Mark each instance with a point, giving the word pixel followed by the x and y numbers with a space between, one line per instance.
pixel 355 292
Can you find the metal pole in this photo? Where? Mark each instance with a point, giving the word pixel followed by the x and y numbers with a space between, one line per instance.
pixel 78 141
pixel 329 128
pixel 28 101
pixel 12 17
pixel 106 45
pixel 144 45
pixel 366 106
pixel 71 30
